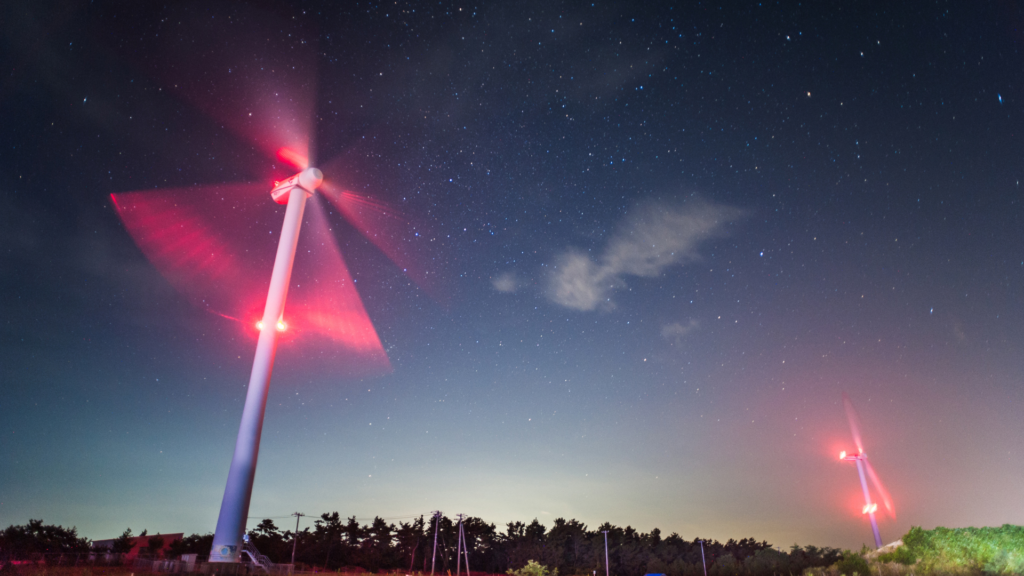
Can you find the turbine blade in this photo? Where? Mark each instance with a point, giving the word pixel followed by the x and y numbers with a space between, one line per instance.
pixel 851 417
pixel 293 158
pixel 258 80
pixel 216 245
pixel 406 244
pixel 886 499
pixel 188 234
pixel 324 300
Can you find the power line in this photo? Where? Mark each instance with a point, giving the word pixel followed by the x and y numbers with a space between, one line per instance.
pixel 364 519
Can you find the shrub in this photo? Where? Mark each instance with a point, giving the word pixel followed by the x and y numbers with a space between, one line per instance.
pixel 944 550
pixel 533 568
pixel 1005 562
pixel 853 564
pixel 902 555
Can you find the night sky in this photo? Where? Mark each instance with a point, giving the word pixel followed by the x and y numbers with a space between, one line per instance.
pixel 656 245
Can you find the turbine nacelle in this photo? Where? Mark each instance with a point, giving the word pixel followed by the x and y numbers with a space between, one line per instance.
pixel 308 180
pixel 852 457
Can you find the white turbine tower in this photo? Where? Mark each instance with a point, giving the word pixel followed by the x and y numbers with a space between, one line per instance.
pixel 234 508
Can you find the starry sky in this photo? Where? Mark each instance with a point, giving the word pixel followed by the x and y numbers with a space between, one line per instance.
pixel 657 245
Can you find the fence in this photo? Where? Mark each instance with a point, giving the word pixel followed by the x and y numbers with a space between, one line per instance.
pixel 187 564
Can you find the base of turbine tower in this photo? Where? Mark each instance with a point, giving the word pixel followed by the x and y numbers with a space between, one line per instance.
pixel 221 568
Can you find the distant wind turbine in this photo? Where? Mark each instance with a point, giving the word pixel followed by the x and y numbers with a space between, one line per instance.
pixel 864 468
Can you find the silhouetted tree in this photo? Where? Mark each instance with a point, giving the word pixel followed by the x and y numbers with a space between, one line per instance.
pixel 154 545
pixel 269 540
pixel 21 542
pixel 198 544
pixel 123 544
pixel 569 547
pixel 408 538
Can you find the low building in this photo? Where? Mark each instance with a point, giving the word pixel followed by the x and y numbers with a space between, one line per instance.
pixel 140 545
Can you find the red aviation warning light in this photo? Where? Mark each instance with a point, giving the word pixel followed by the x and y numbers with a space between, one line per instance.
pixel 869 508
pixel 281 325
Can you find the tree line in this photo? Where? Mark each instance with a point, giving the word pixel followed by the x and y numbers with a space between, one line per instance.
pixel 568 546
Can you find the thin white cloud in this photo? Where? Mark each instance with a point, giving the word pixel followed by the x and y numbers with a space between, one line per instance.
pixel 653 237
pixel 505 282
pixel 580 284
pixel 676 330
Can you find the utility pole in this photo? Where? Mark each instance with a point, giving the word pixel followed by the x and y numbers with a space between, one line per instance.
pixel 437 524
pixel 295 538
pixel 606 573
pixel 412 561
pixel 702 561
pixel 458 549
pixel 463 548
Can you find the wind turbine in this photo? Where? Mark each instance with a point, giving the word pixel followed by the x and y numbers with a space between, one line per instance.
pixel 865 471
pixel 212 242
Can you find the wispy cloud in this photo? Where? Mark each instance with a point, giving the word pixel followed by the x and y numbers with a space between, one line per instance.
pixel 654 236
pixel 676 330
pixel 505 282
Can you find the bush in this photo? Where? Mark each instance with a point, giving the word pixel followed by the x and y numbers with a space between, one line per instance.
pixel 1005 562
pixel 532 568
pixel 902 555
pixel 725 565
pixel 944 550
pixel 853 564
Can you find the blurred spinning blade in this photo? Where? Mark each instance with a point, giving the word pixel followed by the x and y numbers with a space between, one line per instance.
pixel 851 417
pixel 886 499
pixel 854 420
pixel 406 243
pixel 215 244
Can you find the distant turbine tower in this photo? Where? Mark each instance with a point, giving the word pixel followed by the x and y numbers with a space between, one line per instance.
pixel 864 466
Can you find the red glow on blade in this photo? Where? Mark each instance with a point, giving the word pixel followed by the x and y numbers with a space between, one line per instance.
pixel 851 417
pixel 180 234
pixel 217 244
pixel 407 245
pixel 292 157
pixel 886 499
pixel 323 298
